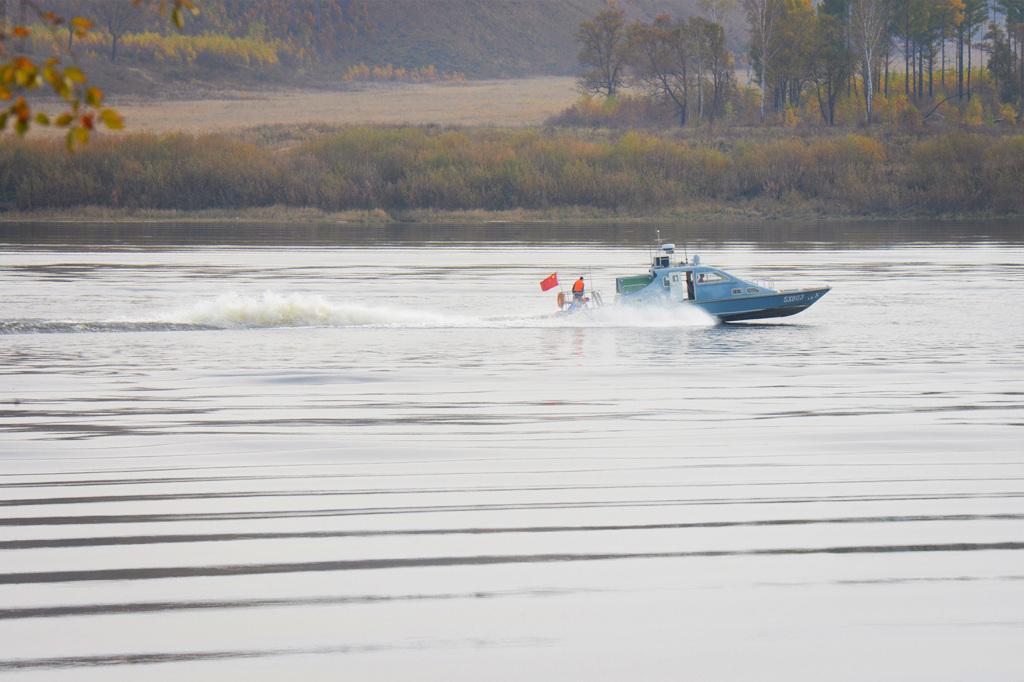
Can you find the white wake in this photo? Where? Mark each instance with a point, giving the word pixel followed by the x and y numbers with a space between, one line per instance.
pixel 298 310
pixel 234 310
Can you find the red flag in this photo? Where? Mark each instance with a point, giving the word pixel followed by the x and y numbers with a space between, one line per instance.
pixel 549 282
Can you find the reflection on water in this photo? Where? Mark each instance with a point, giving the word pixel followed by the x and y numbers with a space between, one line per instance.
pixel 777 236
pixel 316 458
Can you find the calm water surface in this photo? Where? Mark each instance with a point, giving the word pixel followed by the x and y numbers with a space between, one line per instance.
pixel 295 453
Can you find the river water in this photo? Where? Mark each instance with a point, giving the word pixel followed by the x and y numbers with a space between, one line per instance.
pixel 319 452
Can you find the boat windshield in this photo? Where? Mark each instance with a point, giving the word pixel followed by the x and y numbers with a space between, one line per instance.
pixel 710 277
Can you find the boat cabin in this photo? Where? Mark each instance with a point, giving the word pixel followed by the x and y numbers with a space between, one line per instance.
pixel 684 281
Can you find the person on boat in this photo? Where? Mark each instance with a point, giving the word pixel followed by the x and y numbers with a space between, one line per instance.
pixel 577 292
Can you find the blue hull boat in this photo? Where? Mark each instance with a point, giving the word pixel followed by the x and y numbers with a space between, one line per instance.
pixel 721 294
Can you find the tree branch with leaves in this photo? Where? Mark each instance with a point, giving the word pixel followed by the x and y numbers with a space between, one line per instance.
pixel 23 77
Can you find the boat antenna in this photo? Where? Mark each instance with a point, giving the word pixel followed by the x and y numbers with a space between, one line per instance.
pixel 650 251
pixel 686 257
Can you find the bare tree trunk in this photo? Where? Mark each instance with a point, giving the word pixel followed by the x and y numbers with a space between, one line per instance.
pixel 921 72
pixel 867 92
pixel 931 69
pixel 968 67
pixel 913 68
pixel 943 58
pixel 762 15
pixel 68 13
pixel 1020 60
pixel 869 25
pixel 906 67
pixel 960 65
pixel 887 72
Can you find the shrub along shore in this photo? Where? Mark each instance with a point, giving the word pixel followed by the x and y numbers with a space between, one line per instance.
pixel 381 173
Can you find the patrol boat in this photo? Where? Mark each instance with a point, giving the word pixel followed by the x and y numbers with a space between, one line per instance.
pixel 723 295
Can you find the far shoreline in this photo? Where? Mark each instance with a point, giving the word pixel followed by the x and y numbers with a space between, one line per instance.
pixel 574 215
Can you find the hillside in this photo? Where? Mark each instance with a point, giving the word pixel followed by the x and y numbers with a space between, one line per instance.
pixel 481 40
pixel 496 39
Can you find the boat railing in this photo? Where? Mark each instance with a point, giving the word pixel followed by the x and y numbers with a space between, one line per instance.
pixel 591 300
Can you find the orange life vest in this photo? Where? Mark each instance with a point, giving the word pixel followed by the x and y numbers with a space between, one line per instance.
pixel 577 287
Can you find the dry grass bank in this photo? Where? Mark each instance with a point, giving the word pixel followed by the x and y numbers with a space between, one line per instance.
pixel 386 173
pixel 503 103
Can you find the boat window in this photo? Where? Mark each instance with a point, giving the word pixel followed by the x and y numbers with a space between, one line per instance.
pixel 675 278
pixel 753 290
pixel 737 292
pixel 665 281
pixel 711 277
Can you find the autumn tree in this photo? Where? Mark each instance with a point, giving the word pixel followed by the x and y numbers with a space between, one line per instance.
pixel 794 36
pixel 674 60
pixel 909 23
pixel 943 17
pixel 831 63
pixel 1013 17
pixel 1002 63
pixel 717 11
pixel 118 17
pixel 949 15
pixel 659 62
pixel 975 15
pixel 718 61
pixel 696 36
pixel 603 49
pixel 763 15
pixel 869 27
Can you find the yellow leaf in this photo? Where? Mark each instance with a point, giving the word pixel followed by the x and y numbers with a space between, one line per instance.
pixel 64 119
pixel 62 87
pixel 21 110
pixel 42 119
pixel 75 74
pixel 81 22
pixel 112 119
pixel 93 97
pixel 19 32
